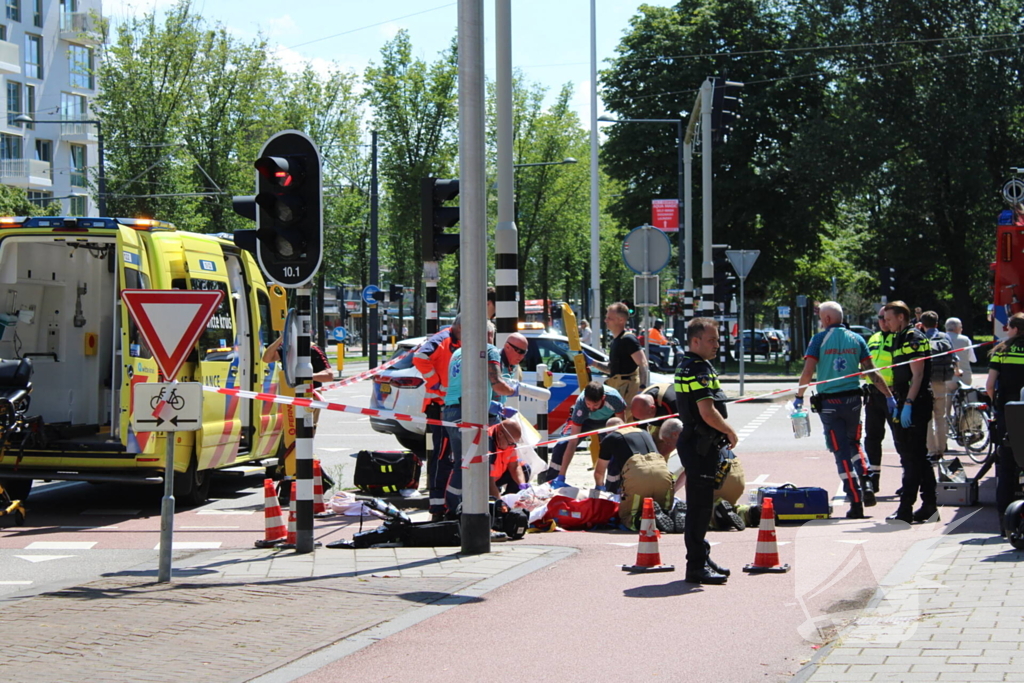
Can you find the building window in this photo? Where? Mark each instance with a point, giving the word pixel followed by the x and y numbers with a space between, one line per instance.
pixel 33 56
pixel 77 203
pixel 3 31
pixel 72 107
pixel 37 13
pixel 14 10
pixel 13 103
pixel 30 104
pixel 44 152
pixel 80 67
pixel 78 166
pixel 10 146
pixel 40 198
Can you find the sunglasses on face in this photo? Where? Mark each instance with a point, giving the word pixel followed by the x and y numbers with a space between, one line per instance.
pixel 515 348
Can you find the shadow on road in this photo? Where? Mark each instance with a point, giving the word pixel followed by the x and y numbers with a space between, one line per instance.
pixel 665 590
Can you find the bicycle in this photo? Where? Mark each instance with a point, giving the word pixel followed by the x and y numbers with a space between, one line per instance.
pixel 15 397
pixel 970 423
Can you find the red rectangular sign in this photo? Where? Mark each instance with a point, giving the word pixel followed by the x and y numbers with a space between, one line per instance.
pixel 665 214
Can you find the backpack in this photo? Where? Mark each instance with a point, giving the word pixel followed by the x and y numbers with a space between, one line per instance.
pixel 942 366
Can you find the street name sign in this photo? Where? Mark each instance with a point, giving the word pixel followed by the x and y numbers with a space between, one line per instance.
pixel 170 321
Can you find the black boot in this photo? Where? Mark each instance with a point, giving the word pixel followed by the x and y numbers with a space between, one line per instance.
pixel 926 513
pixel 900 516
pixel 717 568
pixel 856 511
pixel 869 494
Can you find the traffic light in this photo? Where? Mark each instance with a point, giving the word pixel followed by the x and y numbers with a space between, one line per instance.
pixel 725 109
pixel 887 278
pixel 397 292
pixel 434 192
pixel 724 275
pixel 287 208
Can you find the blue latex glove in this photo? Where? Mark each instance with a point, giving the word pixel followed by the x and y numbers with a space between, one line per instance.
pixel 798 403
pixel 524 486
pixel 558 482
pixel 589 361
pixel 905 420
pixel 600 488
pixel 508 411
pixel 890 403
pixel 495 408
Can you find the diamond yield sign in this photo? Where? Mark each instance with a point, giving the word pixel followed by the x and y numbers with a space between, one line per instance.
pixel 170 321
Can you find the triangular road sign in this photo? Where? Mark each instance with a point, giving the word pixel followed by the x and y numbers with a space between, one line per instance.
pixel 170 321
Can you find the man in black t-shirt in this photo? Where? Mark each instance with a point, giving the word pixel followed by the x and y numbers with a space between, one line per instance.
pixel 631 466
pixel 626 368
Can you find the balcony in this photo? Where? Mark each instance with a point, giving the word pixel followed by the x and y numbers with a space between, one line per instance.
pixel 10 57
pixel 26 173
pixel 85 28
pixel 80 133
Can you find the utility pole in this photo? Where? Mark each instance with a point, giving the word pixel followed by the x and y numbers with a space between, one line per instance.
pixel 506 235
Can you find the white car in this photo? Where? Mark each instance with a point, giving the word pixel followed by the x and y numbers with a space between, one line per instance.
pixel 400 387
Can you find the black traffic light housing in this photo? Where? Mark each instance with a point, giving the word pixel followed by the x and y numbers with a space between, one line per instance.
pixel 887 278
pixel 396 292
pixel 434 192
pixel 725 109
pixel 724 276
pixel 288 209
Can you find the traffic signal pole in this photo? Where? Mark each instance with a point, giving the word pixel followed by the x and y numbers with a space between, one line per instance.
pixel 506 235
pixel 476 534
pixel 303 429
pixel 708 266
pixel 374 311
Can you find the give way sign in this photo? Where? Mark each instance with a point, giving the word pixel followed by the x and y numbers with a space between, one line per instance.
pixel 170 321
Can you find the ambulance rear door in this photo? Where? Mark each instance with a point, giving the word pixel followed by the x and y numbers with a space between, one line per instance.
pixel 133 362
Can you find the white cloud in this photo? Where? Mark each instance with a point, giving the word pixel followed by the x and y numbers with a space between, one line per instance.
pixel 282 27
pixel 389 30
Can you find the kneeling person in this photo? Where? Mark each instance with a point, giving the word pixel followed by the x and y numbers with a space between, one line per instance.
pixel 507 474
pixel 631 466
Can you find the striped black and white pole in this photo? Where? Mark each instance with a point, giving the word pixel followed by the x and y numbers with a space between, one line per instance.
pixel 723 331
pixel 506 235
pixel 303 429
pixel 542 414
pixel 687 309
pixel 430 278
pixel 506 276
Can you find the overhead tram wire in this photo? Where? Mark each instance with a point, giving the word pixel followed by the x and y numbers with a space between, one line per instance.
pixel 379 23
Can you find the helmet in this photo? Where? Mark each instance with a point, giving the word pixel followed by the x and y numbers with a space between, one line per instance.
pixel 1013 524
pixel 658 322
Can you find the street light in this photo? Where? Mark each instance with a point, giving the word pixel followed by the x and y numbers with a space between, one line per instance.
pixel 567 160
pixel 101 182
pixel 684 278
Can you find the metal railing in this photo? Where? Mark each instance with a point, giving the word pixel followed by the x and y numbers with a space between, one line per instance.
pixel 79 22
pixel 25 168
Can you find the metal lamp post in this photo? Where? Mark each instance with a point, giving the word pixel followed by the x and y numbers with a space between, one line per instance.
pixel 101 181
pixel 684 276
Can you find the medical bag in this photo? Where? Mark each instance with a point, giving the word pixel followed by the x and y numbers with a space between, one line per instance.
pixel 797 503
pixel 385 473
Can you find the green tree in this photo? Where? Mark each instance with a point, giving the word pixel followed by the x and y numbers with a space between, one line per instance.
pixel 415 112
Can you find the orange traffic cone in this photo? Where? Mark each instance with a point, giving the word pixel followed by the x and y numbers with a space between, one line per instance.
pixel 766 557
pixel 275 531
pixel 648 558
pixel 292 537
pixel 319 507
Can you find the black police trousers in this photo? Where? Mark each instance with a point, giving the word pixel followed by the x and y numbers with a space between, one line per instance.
pixel 1007 470
pixel 700 499
pixel 876 417
pixel 912 444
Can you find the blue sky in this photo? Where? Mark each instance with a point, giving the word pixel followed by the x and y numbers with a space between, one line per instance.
pixel 550 42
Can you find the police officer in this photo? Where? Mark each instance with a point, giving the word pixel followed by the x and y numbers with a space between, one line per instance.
pixel 1005 380
pixel 912 387
pixel 876 407
pixel 703 444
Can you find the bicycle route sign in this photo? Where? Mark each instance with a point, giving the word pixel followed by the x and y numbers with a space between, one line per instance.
pixel 167 406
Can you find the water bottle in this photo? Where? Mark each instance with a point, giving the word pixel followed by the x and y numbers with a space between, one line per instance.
pixel 801 422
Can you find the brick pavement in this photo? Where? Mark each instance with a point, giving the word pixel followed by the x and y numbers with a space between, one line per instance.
pixel 232 616
pixel 951 610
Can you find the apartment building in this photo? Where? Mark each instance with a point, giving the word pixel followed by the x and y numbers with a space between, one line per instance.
pixel 48 53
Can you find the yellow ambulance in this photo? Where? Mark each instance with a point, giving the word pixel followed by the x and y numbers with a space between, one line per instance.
pixel 60 306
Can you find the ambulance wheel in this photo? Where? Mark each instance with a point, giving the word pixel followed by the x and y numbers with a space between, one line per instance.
pixel 1013 524
pixel 414 444
pixel 17 489
pixel 192 487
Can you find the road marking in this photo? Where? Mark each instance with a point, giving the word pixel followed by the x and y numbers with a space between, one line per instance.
pixel 42 558
pixel 113 513
pixel 92 526
pixel 210 527
pixel 15 583
pixel 752 426
pixel 626 545
pixel 853 542
pixel 61 545
pixel 193 545
pixel 226 512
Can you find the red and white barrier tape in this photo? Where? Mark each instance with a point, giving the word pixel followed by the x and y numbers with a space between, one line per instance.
pixel 366 374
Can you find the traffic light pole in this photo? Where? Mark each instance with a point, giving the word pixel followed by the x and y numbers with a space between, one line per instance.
pixel 506 235
pixel 476 527
pixel 303 428
pixel 708 266
pixel 374 263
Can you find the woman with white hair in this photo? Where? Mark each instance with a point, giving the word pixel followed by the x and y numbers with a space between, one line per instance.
pixel 964 357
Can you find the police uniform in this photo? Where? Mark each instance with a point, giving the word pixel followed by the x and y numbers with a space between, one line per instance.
pixel 876 409
pixel 701 451
pixel 1009 362
pixel 912 441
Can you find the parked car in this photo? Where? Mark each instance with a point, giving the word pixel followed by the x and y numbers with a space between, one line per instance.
pixel 400 387
pixel 758 341
pixel 865 332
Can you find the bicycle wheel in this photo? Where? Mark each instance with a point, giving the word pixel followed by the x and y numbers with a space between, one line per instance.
pixel 975 431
